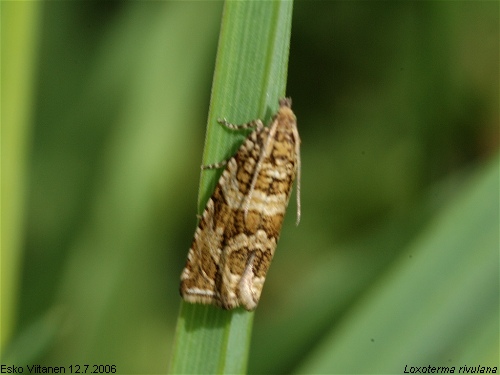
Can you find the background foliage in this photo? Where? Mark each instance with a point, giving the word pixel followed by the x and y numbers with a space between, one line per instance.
pixel 395 261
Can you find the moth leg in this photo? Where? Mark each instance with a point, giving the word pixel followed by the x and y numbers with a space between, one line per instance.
pixel 215 165
pixel 255 124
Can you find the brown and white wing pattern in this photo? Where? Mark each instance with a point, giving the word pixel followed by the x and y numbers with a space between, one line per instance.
pixel 238 232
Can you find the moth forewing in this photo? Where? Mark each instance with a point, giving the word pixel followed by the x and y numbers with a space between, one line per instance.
pixel 237 235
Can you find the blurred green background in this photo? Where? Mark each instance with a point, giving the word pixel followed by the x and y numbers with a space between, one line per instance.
pixel 396 259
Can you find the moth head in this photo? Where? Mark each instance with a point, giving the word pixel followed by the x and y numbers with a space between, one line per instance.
pixel 285 102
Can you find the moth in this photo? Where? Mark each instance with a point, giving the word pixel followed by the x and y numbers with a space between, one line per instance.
pixel 237 234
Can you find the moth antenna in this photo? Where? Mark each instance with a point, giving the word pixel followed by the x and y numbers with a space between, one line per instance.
pixel 297 151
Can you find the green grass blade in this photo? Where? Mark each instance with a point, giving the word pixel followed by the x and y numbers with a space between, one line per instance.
pixel 249 78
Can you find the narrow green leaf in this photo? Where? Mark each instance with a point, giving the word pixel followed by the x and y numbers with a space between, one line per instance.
pixel 249 78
